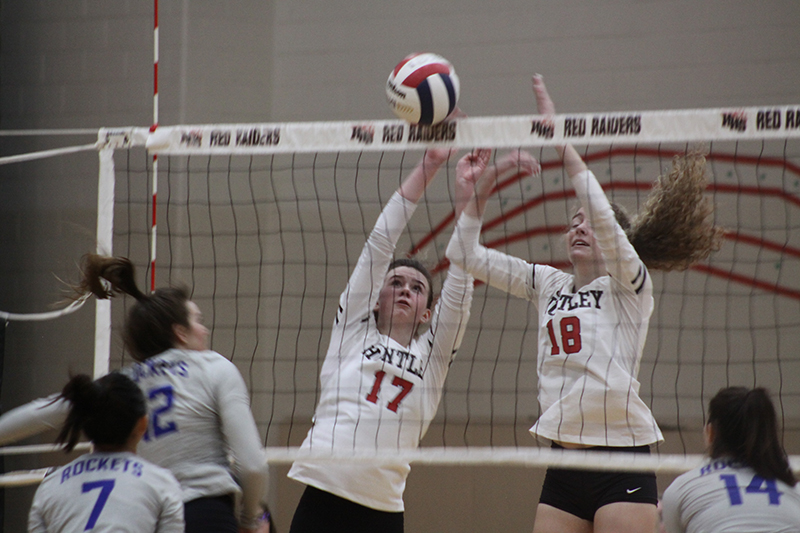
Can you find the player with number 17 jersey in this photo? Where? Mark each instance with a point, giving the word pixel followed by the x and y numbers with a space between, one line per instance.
pixel 376 393
pixel 114 492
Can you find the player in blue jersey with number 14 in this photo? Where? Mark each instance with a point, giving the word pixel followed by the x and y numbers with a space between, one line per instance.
pixel 746 485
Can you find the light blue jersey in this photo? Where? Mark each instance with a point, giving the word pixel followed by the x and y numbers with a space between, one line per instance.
pixel 725 497
pixel 108 492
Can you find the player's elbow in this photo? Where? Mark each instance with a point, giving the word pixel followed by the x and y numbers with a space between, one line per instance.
pixel 455 253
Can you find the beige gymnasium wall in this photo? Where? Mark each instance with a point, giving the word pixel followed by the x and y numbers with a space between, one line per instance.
pixel 89 63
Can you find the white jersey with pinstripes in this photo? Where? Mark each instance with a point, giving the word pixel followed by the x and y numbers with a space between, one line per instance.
pixel 377 394
pixel 725 497
pixel 590 338
pixel 108 492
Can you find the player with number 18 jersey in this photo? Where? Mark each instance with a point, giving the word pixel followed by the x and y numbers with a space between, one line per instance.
pixel 590 338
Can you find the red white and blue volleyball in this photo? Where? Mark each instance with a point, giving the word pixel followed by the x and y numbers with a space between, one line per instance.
pixel 423 89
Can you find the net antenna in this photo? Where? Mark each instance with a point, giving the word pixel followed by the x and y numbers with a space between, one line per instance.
pixel 154 226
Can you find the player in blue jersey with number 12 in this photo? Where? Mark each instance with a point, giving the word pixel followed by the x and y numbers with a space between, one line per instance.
pixel 197 401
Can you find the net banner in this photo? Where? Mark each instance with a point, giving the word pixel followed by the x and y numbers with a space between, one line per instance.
pixel 500 132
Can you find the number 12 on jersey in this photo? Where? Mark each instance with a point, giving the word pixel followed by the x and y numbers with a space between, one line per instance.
pixel 161 401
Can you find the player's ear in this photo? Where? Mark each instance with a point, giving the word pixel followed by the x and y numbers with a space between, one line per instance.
pixel 140 428
pixel 426 316
pixel 708 434
pixel 180 334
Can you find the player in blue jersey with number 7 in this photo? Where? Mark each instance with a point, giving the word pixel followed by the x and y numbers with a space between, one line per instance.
pixel 746 485
pixel 382 377
pixel 198 404
pixel 592 327
pixel 110 489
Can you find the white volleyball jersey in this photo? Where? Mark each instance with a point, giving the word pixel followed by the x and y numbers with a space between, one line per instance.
pixel 590 339
pixel 108 492
pixel 722 496
pixel 377 394
pixel 199 412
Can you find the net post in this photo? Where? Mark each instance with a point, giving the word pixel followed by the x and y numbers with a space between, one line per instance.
pixel 105 236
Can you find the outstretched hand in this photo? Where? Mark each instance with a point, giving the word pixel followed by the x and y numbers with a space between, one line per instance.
pixel 521 161
pixel 468 171
pixel 572 160
pixel 543 101
pixel 476 178
pixel 414 185
pixel 472 166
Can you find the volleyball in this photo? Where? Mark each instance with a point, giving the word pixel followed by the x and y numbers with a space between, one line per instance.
pixel 423 89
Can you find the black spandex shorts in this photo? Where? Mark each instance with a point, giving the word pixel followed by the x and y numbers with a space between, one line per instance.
pixel 214 514
pixel 583 492
pixel 320 511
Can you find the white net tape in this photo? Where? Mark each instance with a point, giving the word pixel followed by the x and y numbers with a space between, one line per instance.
pixel 617 129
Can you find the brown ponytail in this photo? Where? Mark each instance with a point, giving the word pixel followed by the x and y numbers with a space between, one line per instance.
pixel 148 327
pixel 118 272
pixel 746 430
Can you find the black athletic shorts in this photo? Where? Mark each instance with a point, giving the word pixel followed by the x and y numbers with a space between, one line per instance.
pixel 213 514
pixel 583 492
pixel 320 511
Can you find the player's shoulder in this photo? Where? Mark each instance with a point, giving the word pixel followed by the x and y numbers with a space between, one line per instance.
pixel 208 356
pixel 214 370
pixel 52 475
pixel 702 474
pixel 162 475
pixel 207 361
pixel 547 276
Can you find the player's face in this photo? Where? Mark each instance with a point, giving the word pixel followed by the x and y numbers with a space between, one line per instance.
pixel 403 297
pixel 581 245
pixel 195 335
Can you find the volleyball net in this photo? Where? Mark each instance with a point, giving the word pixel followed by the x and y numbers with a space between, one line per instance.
pixel 264 223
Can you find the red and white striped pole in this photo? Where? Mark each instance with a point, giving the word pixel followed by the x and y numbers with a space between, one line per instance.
pixel 155 157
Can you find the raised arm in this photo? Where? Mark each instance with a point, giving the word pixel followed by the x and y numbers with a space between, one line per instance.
pixel 620 258
pixel 362 290
pixel 474 168
pixel 500 270
pixel 413 187
pixel 573 163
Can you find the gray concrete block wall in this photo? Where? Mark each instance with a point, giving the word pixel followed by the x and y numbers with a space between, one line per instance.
pixel 89 63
